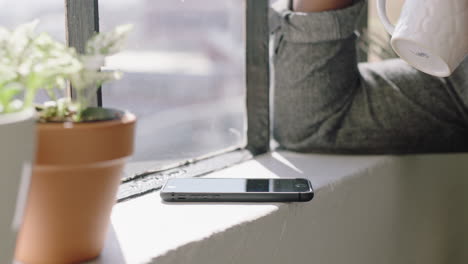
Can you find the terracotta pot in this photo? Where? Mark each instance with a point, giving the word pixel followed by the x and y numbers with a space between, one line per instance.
pixel 73 188
pixel 17 145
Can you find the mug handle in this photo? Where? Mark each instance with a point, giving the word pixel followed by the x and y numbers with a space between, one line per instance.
pixel 382 11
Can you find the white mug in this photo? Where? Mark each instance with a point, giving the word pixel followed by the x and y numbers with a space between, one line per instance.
pixel 431 35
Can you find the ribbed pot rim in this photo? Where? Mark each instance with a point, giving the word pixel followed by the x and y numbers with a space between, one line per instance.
pixel 123 117
pixel 71 143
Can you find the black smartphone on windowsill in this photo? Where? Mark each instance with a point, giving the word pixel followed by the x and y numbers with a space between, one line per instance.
pixel 237 190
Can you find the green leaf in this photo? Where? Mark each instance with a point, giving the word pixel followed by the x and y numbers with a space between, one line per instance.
pixel 7 94
pixel 108 43
pixel 30 62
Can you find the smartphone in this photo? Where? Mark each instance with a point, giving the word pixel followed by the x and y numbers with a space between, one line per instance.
pixel 237 190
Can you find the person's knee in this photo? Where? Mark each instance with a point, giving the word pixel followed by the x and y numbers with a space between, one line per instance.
pixel 296 136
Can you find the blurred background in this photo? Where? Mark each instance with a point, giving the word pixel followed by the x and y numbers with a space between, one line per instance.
pixel 184 67
pixel 184 70
pixel 184 74
pixel 374 39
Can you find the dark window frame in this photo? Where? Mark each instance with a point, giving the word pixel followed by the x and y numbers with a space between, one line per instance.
pixel 82 21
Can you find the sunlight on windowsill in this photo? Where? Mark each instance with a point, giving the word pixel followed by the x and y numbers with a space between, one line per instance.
pixel 361 202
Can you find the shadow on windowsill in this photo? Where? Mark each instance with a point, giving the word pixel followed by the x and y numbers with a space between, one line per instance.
pixel 112 252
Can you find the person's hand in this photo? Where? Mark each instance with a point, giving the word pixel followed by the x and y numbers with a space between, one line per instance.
pixel 319 5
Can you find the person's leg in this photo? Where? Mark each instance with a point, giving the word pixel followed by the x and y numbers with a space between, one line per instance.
pixel 323 103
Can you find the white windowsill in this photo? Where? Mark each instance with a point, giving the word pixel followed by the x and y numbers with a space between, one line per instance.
pixel 367 209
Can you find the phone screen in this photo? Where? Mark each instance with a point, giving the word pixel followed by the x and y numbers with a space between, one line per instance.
pixel 237 185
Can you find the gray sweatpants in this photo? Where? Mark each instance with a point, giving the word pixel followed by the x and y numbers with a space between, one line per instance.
pixel 325 102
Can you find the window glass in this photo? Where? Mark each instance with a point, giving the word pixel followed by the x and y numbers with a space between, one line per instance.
pixel 50 13
pixel 184 74
pixel 51 16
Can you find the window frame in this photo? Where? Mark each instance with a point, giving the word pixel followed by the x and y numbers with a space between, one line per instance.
pixel 82 22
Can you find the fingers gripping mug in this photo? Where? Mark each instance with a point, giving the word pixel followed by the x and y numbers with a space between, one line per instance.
pixel 431 35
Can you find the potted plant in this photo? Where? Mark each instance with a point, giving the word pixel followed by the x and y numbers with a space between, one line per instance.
pixel 80 154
